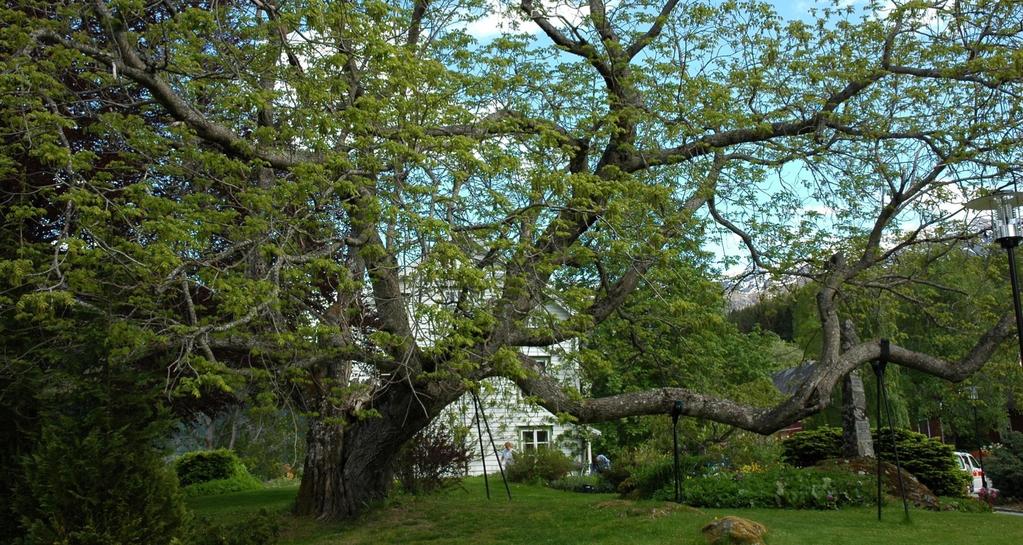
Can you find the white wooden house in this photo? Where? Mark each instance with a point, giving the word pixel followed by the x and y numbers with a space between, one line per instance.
pixel 510 416
pixel 514 419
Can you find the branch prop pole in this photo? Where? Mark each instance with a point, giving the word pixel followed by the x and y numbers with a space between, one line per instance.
pixel 878 373
pixel 493 445
pixel 895 451
pixel 676 411
pixel 479 435
pixel 882 399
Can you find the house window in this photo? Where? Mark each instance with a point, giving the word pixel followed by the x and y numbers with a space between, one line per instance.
pixel 534 438
pixel 543 363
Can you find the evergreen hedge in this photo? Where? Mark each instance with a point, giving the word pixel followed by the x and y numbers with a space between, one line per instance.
pixel 806 448
pixel 95 474
pixel 1005 466
pixel 929 460
pixel 209 472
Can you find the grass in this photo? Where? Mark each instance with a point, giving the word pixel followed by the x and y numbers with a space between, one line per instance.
pixel 540 515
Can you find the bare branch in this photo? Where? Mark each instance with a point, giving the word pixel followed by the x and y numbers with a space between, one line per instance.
pixel 577 47
pixel 653 32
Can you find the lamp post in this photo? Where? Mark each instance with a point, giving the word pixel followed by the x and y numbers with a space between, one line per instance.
pixel 1005 224
pixel 976 437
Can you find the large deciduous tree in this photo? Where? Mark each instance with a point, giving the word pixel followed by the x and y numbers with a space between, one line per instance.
pixel 362 204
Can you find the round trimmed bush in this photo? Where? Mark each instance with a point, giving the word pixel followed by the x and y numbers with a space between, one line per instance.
pixel 206 465
pixel 929 460
pixel 807 448
pixel 544 464
pixel 207 472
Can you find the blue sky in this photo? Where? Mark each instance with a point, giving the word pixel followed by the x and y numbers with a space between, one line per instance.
pixel 492 24
pixel 723 243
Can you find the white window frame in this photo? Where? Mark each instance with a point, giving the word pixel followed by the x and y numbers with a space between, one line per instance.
pixel 543 362
pixel 529 441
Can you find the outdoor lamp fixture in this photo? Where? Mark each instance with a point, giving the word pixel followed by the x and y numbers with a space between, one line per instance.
pixel 1005 225
pixel 976 435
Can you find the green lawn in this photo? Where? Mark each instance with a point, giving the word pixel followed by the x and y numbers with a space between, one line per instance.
pixel 539 515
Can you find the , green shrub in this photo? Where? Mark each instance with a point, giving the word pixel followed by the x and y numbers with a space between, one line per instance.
pixel 95 475
pixel 205 465
pixel 649 478
pixel 209 472
pixel 964 505
pixel 1005 466
pixel 806 448
pixel 263 528
pixel 434 458
pixel 932 462
pixel 539 465
pixel 783 487
pixel 237 483
pixel 652 473
pixel 583 483
pixel 929 460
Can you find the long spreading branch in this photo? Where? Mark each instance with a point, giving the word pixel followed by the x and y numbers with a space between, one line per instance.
pixel 750 135
pixel 653 32
pixel 128 62
pixel 577 47
pixel 810 397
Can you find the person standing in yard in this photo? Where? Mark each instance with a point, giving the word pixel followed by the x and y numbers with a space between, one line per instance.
pixel 601 463
pixel 507 455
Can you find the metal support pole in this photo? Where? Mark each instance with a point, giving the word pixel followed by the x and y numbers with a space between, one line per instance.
pixel 479 434
pixel 895 451
pixel 878 372
pixel 493 445
pixel 882 400
pixel 676 411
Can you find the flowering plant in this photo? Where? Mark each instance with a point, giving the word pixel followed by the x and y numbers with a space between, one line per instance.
pixel 988 495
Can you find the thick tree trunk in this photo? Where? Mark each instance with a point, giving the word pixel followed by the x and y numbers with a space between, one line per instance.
pixel 350 466
pixel 856 441
pixel 855 426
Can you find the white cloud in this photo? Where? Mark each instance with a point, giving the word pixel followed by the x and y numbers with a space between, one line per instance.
pixel 502 17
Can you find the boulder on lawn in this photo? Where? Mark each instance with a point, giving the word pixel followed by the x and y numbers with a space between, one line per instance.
pixel 734 531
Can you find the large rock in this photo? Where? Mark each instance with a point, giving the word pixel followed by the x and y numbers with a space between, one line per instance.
pixel 734 531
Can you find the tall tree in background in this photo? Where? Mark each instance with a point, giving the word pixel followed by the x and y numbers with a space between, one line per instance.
pixel 360 202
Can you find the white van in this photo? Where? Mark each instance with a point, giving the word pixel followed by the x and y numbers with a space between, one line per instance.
pixel 968 463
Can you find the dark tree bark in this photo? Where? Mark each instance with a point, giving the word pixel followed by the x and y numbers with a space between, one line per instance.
pixel 349 462
pixel 354 440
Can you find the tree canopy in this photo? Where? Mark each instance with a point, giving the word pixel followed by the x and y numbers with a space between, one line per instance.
pixel 368 206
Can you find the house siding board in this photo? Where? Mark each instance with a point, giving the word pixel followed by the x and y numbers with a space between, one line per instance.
pixel 506 419
pixel 506 411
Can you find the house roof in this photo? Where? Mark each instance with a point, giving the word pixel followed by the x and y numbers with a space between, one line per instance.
pixel 787 381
